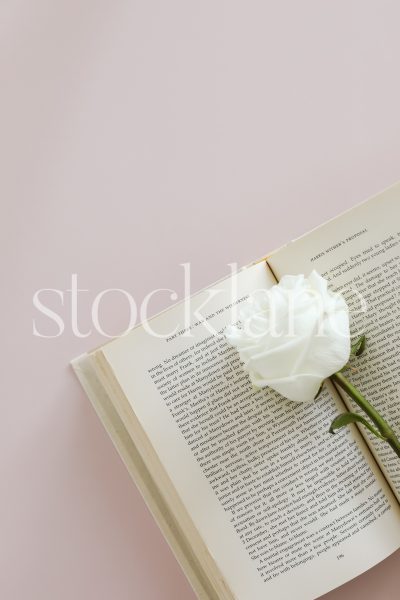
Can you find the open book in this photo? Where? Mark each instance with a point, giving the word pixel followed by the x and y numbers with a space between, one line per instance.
pixel 254 495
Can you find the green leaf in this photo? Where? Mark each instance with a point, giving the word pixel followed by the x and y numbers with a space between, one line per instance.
pixel 346 418
pixel 359 346
pixel 319 391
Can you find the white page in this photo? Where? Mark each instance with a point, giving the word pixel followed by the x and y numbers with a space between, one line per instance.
pixel 360 250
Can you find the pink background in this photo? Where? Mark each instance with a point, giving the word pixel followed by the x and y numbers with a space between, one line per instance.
pixel 136 136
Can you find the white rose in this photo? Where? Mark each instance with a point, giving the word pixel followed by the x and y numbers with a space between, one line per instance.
pixel 293 335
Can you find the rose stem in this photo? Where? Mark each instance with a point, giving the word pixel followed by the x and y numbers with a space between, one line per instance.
pixel 373 414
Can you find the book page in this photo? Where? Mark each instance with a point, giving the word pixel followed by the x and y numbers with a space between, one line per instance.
pixel 359 253
pixel 138 470
pixel 280 503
